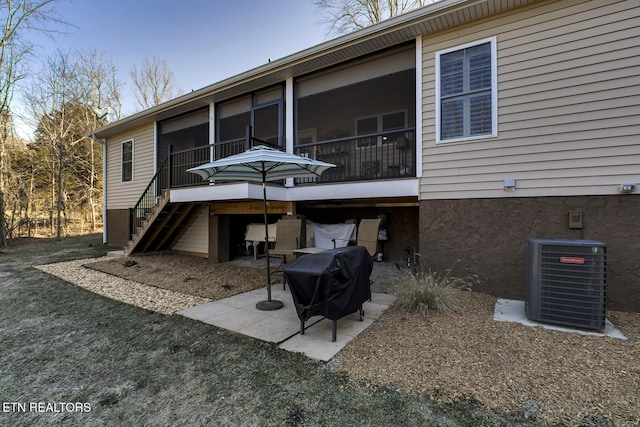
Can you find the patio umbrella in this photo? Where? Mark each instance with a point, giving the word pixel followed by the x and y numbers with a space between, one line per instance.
pixel 262 164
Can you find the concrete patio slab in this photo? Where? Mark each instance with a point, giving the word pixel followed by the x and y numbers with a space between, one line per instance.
pixel 271 329
pixel 316 342
pixel 239 314
pixel 206 311
pixel 513 311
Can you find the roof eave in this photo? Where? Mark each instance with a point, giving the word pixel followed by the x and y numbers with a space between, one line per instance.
pixel 285 65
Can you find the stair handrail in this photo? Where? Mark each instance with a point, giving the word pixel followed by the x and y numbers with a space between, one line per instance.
pixel 143 206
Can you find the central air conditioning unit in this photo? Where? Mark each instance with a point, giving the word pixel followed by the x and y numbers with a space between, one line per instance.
pixel 566 282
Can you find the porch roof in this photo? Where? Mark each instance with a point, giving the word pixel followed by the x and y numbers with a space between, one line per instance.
pixel 400 29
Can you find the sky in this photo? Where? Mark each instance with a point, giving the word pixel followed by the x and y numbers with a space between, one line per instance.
pixel 202 41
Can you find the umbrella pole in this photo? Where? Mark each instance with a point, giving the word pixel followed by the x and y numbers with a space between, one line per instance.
pixel 266 238
pixel 269 304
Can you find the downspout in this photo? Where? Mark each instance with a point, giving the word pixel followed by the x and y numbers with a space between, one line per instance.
pixel 104 186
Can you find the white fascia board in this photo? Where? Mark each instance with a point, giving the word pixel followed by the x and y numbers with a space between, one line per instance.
pixel 355 190
pixel 248 191
pixel 218 192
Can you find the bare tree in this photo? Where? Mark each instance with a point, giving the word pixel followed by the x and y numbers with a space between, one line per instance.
pixel 154 82
pixel 100 91
pixel 19 18
pixel 97 79
pixel 49 97
pixel 345 16
pixel 65 100
pixel 15 195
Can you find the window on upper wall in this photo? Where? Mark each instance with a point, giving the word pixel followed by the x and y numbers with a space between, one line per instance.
pixel 466 92
pixel 379 123
pixel 127 161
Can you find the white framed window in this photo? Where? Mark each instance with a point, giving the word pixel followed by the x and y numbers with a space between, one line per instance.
pixel 126 157
pixel 379 123
pixel 307 136
pixel 466 92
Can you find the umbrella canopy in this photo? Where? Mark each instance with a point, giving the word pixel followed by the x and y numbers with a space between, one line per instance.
pixel 262 164
pixel 259 164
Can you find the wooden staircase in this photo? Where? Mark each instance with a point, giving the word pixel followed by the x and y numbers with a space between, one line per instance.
pixel 163 225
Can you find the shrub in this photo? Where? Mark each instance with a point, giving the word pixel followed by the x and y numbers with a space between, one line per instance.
pixel 435 290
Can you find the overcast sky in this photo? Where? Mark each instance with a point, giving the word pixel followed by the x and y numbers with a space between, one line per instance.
pixel 203 41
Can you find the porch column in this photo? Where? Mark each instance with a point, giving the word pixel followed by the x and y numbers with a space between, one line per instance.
pixel 212 130
pixel 289 128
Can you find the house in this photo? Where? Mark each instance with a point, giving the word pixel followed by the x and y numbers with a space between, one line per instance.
pixel 472 125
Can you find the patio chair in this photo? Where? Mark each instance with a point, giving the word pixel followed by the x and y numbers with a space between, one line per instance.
pixel 368 235
pixel 288 237
pixel 254 235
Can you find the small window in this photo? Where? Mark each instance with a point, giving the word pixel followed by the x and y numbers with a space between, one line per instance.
pixel 393 121
pixel 365 126
pixel 466 92
pixel 307 136
pixel 380 124
pixel 127 161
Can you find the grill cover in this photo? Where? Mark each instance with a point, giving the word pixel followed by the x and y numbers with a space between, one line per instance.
pixel 332 283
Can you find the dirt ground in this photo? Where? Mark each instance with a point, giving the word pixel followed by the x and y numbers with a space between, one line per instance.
pixel 555 376
pixel 186 274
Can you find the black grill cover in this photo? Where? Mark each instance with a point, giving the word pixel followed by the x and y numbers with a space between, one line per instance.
pixel 332 283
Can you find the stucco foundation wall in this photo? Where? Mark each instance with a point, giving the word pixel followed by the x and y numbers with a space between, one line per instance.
pixel 488 237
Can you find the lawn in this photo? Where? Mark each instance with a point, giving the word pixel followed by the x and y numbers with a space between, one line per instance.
pixel 70 357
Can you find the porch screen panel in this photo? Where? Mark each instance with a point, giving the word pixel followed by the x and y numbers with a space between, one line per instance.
pixel 177 134
pixel 360 116
pixel 233 119
pixel 356 73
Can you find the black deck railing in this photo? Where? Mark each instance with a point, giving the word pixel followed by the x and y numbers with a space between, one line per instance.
pixel 149 198
pixel 383 155
pixel 180 161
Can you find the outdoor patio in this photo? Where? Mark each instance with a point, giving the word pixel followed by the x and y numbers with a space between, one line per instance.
pixel 282 327
pixel 236 313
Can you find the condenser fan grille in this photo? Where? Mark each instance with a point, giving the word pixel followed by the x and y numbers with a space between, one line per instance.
pixel 567 282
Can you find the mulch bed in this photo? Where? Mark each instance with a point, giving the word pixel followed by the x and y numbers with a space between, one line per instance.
pixel 185 274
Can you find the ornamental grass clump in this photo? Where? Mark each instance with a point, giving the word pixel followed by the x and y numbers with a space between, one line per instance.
pixel 432 290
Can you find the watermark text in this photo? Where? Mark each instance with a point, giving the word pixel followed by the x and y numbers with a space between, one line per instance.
pixel 45 407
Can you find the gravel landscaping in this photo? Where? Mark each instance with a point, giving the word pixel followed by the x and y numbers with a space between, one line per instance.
pixel 553 376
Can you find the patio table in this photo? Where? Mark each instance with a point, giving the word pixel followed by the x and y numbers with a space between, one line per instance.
pixel 307 251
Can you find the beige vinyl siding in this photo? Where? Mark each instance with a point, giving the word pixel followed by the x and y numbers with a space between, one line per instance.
pixel 568 104
pixel 123 195
pixel 196 239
